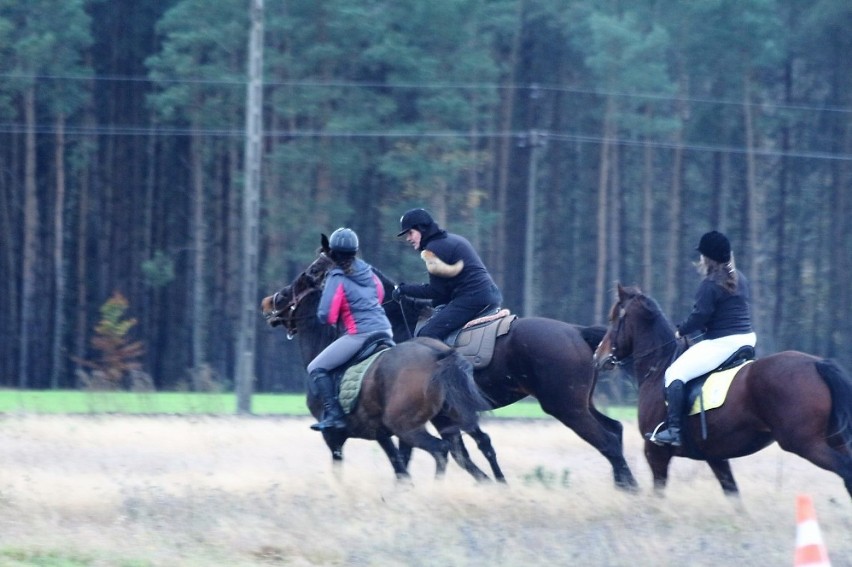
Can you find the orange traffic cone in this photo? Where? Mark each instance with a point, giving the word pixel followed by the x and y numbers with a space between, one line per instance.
pixel 810 549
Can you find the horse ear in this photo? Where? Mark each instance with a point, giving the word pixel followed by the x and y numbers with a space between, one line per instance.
pixel 324 242
pixel 620 291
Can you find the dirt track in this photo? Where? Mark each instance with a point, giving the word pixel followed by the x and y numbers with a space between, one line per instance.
pixel 140 491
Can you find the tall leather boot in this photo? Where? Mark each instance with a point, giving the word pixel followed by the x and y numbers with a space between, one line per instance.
pixel 674 398
pixel 332 417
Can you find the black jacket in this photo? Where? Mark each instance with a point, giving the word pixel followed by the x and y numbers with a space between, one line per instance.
pixel 718 312
pixel 455 270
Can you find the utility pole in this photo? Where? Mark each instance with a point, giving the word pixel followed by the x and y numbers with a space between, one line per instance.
pixel 535 141
pixel 251 211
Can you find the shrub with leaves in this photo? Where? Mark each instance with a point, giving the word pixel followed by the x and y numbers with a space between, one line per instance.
pixel 118 354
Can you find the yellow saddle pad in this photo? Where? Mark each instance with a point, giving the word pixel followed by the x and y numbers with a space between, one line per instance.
pixel 716 388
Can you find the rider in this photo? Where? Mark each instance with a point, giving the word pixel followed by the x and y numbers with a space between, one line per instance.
pixel 351 299
pixel 721 312
pixel 460 286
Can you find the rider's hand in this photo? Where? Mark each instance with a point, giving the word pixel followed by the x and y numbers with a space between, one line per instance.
pixel 397 293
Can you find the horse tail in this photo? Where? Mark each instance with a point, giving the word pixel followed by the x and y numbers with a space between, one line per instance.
pixel 462 398
pixel 840 385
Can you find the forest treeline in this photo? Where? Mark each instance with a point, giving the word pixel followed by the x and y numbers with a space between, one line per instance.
pixel 577 143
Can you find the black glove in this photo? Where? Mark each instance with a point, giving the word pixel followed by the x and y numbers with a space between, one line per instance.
pixel 397 294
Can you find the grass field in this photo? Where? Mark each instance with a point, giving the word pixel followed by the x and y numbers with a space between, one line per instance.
pixel 81 490
pixel 182 403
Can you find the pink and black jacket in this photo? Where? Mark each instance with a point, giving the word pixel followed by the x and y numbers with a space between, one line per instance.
pixel 353 301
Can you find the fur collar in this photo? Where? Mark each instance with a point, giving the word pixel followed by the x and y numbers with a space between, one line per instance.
pixel 438 267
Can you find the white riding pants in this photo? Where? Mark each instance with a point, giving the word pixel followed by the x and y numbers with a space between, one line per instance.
pixel 705 356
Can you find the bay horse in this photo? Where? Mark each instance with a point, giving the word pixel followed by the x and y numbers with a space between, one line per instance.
pixel 544 358
pixel 800 401
pixel 409 385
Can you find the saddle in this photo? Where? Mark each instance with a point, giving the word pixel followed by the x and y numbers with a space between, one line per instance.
pixel 350 375
pixel 709 390
pixel 475 341
pixel 695 388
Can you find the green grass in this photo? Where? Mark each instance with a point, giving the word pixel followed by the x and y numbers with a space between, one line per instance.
pixel 184 403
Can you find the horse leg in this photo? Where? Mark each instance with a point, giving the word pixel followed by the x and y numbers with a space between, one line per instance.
pixel 820 453
pixel 606 439
pixel 334 440
pixel 722 469
pixel 405 452
pixel 438 448
pixel 394 456
pixel 450 432
pixel 658 459
pixel 483 441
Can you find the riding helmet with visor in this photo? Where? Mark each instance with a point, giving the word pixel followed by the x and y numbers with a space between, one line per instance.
pixel 343 240
pixel 415 218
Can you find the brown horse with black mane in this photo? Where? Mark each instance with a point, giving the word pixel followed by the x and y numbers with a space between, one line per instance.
pixel 408 385
pixel 548 359
pixel 801 401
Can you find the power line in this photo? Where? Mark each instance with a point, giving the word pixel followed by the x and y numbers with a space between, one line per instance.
pixel 308 83
pixel 161 131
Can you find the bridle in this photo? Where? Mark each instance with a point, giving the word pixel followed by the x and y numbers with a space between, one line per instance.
pixel 612 360
pixel 286 315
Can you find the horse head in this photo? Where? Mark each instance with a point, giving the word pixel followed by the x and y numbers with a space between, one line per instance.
pixel 638 330
pixel 282 307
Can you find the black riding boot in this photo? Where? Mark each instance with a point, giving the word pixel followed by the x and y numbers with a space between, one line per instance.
pixel 674 398
pixel 332 417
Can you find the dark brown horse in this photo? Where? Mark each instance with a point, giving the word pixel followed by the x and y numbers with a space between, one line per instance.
pixel 407 387
pixel 801 401
pixel 548 359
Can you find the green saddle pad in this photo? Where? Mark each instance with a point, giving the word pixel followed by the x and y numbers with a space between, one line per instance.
pixel 350 384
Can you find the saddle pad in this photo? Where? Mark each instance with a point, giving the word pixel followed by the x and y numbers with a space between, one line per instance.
pixel 476 344
pixel 715 389
pixel 350 384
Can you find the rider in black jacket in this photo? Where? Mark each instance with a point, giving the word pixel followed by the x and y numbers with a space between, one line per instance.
pixel 460 286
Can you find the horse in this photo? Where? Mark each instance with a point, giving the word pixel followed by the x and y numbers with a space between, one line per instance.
pixel 800 401
pixel 547 359
pixel 413 383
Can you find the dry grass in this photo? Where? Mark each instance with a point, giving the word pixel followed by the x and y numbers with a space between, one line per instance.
pixel 143 491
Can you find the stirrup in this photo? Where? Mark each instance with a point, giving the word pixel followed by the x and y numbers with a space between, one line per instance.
pixel 652 436
pixel 329 423
pixel 671 439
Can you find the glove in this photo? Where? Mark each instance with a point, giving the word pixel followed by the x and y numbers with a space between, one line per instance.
pixel 397 294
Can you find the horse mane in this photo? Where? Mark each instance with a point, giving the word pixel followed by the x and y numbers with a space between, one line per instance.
pixel 593 335
pixel 659 328
pixel 313 334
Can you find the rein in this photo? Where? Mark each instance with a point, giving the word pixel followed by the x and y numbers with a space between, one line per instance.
pixel 644 354
pixel 287 313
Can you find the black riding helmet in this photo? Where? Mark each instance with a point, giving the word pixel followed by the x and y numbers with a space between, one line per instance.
pixel 343 240
pixel 415 218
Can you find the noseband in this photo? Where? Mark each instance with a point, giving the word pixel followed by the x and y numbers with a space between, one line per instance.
pixel 287 315
pixel 612 359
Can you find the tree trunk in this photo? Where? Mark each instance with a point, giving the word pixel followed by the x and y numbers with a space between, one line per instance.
pixel 59 256
pixel 199 247
pixel 648 213
pixel 9 202
pixel 675 234
pixel 755 208
pixel 507 109
pixel 31 227
pixel 602 260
